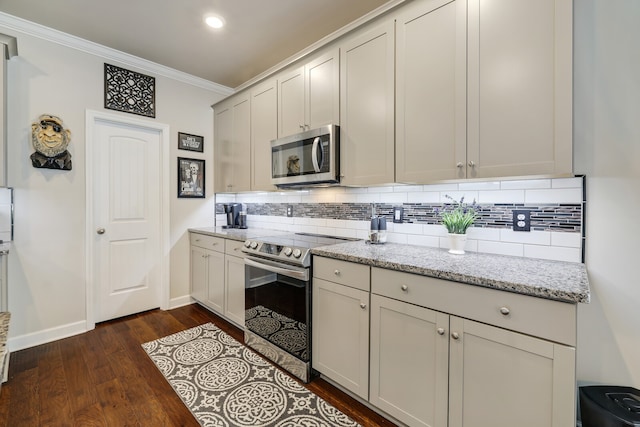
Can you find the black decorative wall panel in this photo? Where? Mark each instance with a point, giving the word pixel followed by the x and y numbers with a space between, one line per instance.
pixel 129 91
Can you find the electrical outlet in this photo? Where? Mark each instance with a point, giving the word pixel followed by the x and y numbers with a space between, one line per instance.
pixel 521 220
pixel 398 214
pixel 289 210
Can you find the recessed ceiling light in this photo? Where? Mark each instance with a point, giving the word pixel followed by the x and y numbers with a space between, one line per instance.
pixel 214 21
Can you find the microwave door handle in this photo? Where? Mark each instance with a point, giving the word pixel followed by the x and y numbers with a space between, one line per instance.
pixel 314 155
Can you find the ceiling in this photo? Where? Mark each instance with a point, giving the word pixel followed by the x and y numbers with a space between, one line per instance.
pixel 258 34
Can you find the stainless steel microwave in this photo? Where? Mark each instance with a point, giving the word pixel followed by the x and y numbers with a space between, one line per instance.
pixel 306 158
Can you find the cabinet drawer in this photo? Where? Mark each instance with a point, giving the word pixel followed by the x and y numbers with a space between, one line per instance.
pixel 548 319
pixel 207 242
pixel 342 272
pixel 233 247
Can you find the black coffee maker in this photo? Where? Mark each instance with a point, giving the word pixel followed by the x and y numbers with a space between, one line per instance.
pixel 232 211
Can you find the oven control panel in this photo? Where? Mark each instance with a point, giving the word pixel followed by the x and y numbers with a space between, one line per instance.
pixel 273 250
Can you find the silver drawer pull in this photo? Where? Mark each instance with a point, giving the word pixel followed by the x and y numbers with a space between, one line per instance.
pixel 363 305
pixel 404 288
pixel 336 272
pixel 455 335
pixel 440 331
pixel 504 311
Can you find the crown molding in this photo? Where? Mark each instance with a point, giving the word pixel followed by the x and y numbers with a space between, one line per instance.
pixel 73 42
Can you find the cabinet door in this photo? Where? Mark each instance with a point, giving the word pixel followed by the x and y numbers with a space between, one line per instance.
pixel 520 87
pixel 340 346
pixel 264 129
pixel 367 106
pixel 501 378
pixel 291 115
pixel 234 287
pixel 223 147
pixel 241 143
pixel 215 281
pixel 198 274
pixel 322 92
pixel 409 362
pixel 431 100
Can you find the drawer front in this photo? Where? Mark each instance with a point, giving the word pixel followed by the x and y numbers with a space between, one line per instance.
pixel 548 319
pixel 233 247
pixel 342 272
pixel 207 242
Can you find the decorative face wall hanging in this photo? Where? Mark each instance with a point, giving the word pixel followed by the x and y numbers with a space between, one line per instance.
pixel 50 141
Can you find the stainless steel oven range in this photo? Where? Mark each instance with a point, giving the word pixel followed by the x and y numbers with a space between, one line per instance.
pixel 278 298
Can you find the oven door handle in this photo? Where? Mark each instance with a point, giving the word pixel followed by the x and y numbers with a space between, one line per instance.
pixel 296 273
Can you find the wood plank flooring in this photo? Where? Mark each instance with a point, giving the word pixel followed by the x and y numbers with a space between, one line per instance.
pixel 105 378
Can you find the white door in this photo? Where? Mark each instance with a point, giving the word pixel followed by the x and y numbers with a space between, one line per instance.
pixel 126 218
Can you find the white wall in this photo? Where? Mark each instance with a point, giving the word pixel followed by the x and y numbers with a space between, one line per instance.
pixel 607 148
pixel 47 261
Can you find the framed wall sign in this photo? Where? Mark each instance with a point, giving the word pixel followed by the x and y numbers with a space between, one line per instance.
pixel 190 177
pixel 129 91
pixel 190 142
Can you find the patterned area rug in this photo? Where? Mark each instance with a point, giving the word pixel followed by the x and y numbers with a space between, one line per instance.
pixel 225 384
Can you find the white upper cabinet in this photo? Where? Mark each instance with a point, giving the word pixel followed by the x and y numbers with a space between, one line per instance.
pixel 264 129
pixel 519 88
pixel 367 106
pixel 232 147
pixel 431 91
pixel 309 95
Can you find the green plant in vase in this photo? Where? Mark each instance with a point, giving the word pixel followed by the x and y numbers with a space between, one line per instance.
pixel 457 217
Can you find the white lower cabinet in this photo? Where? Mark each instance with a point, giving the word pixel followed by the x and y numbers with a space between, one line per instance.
pixel 340 319
pixel 217 276
pixel 234 282
pixel 444 354
pixel 500 378
pixel 409 362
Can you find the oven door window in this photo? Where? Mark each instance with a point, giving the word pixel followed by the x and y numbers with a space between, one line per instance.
pixel 306 157
pixel 277 309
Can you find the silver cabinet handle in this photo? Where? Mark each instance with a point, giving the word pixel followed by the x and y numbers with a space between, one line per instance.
pixel 336 272
pixel 505 311
pixel 472 163
pixel 459 165
pixel 363 305
pixel 100 230
pixel 440 331
pixel 455 335
pixel 404 288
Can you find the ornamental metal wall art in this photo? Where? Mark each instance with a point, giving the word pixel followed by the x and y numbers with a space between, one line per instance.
pixel 129 91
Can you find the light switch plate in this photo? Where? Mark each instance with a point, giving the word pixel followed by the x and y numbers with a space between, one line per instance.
pixel 398 214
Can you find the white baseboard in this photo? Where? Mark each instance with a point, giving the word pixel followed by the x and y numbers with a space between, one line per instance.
pixel 180 301
pixel 42 337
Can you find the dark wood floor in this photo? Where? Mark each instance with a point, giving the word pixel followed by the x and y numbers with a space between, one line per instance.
pixel 105 378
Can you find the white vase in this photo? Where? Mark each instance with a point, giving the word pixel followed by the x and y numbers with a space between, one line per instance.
pixel 457 243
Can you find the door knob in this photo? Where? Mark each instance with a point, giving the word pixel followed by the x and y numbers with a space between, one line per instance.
pixel 100 230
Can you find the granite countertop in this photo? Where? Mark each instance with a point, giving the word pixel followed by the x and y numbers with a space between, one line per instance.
pixel 237 233
pixel 556 280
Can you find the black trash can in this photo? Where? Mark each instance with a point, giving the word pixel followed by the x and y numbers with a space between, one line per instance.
pixel 609 406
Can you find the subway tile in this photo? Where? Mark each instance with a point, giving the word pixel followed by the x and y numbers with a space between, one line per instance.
pixel 500 248
pixel 423 240
pixel 5 196
pixel 408 188
pixel 434 229
pixel 553 253
pixel 318 222
pixel 356 190
pixel 441 187
pixel 329 231
pixel 566 183
pixel 533 237
pixel 469 196
pixel 397 238
pixel 570 195
pixel 347 197
pixel 368 198
pixel 483 233
pixel 501 196
pixel 424 197
pixel 525 184
pixel 479 185
pixel 5 236
pixel 381 189
pixel 392 198
pixel 571 240
pixel 408 228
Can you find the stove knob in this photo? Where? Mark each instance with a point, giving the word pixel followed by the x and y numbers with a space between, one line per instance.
pixel 287 251
pixel 254 245
pixel 247 243
pixel 297 253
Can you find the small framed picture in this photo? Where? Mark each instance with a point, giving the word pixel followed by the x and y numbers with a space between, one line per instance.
pixel 190 142
pixel 190 177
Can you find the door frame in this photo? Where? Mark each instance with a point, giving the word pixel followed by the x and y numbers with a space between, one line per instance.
pixel 93 116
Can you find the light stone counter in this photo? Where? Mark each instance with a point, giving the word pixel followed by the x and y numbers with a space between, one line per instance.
pixel 556 280
pixel 237 233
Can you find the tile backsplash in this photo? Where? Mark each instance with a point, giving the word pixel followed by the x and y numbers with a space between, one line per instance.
pixel 556 207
